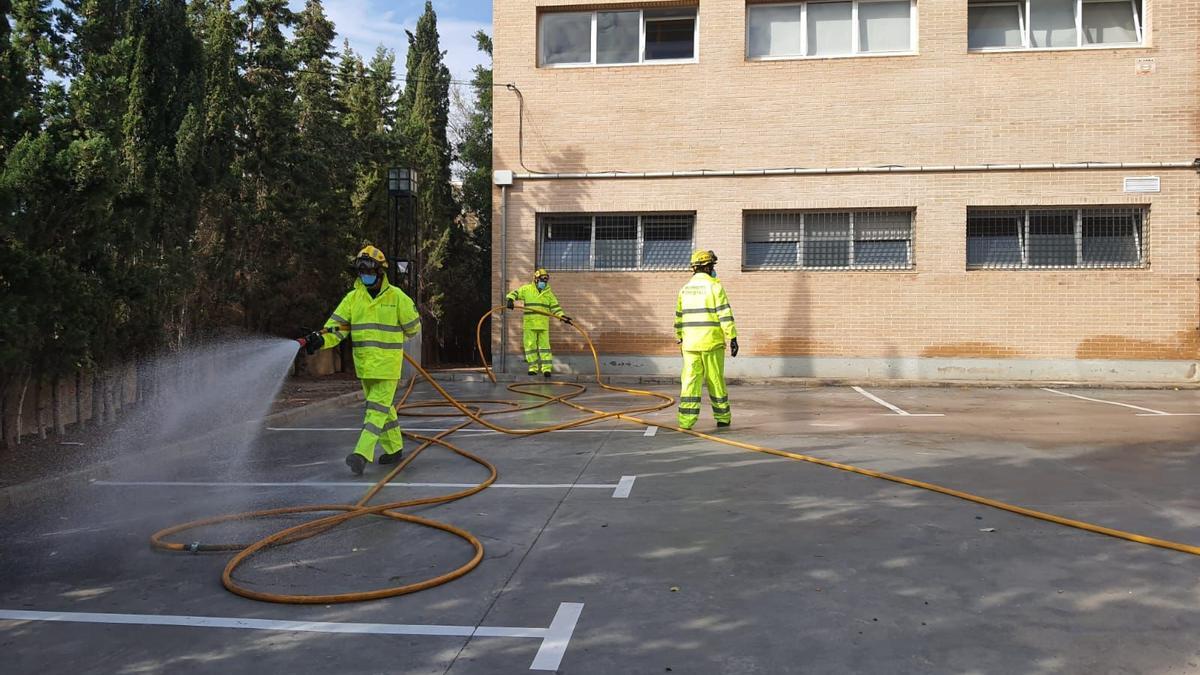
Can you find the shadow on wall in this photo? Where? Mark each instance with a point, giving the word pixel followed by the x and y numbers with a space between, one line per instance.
pixel 522 254
pixel 791 337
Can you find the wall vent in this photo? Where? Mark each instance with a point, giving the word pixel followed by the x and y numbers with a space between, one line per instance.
pixel 1142 184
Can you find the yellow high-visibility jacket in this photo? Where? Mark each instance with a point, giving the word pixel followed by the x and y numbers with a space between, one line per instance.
pixel 703 319
pixel 377 328
pixel 543 300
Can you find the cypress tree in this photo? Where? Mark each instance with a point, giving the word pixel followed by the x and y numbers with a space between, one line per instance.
pixel 367 100
pixel 322 224
pixel 207 144
pixel 425 108
pixel 472 260
pixel 266 162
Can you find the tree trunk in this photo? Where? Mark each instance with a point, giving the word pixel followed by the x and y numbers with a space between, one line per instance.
pixel 39 410
pixel 21 407
pixel 79 400
pixel 5 426
pixel 110 403
pixel 97 399
pixel 60 427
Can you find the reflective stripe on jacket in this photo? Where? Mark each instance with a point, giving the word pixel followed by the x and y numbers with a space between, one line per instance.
pixel 377 328
pixel 703 318
pixel 535 299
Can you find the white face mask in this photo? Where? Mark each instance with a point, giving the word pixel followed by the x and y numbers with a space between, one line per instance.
pixel 541 285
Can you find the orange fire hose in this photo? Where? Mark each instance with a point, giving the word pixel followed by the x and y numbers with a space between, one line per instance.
pixel 471 410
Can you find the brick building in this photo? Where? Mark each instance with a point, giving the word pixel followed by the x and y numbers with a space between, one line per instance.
pixel 939 189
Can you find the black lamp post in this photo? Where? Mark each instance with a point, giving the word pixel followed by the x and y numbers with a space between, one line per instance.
pixel 402 185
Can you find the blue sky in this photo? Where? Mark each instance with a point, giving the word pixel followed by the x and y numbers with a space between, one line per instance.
pixel 369 23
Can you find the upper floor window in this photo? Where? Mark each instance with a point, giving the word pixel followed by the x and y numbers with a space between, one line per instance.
pixel 846 28
pixel 1053 24
pixel 617 38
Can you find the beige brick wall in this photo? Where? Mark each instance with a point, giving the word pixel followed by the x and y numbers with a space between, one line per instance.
pixel 944 106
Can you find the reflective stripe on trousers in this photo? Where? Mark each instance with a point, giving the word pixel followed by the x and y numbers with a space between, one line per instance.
pixel 380 424
pixel 702 369
pixel 537 351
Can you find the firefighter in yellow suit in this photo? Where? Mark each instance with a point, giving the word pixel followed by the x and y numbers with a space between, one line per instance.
pixel 703 321
pixel 537 326
pixel 377 317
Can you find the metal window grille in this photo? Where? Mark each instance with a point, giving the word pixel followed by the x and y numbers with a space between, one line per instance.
pixel 1039 238
pixel 615 241
pixel 827 240
pixel 667 241
pixel 566 242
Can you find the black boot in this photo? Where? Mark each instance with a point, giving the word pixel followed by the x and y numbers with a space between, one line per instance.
pixel 723 424
pixel 546 375
pixel 356 462
pixel 386 458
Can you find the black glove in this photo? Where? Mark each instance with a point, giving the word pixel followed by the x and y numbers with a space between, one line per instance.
pixel 509 304
pixel 566 320
pixel 733 347
pixel 313 343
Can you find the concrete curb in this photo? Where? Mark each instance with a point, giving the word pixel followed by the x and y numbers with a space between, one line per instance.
pixel 478 376
pixel 41 489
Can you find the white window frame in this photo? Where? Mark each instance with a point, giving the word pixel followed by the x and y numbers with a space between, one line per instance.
pixel 854 35
pixel 641 40
pixel 1023 10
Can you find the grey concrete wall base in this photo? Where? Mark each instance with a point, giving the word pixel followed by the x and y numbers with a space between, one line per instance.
pixel 44 488
pixel 751 369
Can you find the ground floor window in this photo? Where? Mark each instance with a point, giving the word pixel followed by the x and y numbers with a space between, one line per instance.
pixel 876 239
pixel 615 241
pixel 1055 237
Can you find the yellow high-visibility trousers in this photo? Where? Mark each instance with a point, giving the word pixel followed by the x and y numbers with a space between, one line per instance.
pixel 380 424
pixel 703 369
pixel 537 351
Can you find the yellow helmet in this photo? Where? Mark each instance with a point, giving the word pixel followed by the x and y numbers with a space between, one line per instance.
pixel 369 253
pixel 702 258
pixel 540 273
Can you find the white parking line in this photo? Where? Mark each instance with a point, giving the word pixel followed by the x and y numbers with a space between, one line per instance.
pixel 624 487
pixel 620 490
pixel 558 636
pixel 480 432
pixel 650 431
pixel 555 638
pixel 1146 412
pixel 891 407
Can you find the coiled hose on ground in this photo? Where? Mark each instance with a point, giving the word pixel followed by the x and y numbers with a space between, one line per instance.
pixel 474 412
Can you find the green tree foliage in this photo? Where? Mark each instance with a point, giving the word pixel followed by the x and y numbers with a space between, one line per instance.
pixel 171 166
pixel 325 185
pixel 475 155
pixel 425 113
